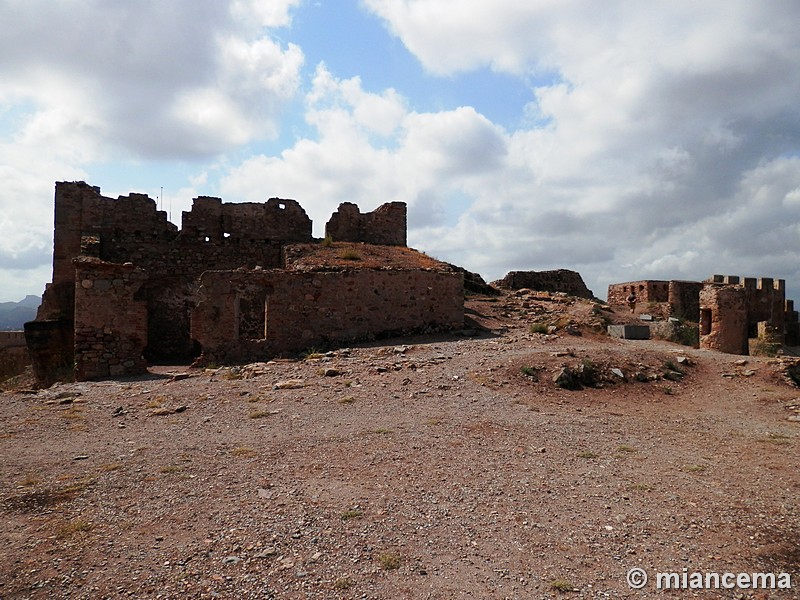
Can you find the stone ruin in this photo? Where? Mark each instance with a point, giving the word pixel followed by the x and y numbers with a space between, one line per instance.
pixel 14 355
pixel 129 288
pixel 680 297
pixel 559 280
pixel 730 310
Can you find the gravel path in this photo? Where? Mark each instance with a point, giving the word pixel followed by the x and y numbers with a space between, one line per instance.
pixel 448 467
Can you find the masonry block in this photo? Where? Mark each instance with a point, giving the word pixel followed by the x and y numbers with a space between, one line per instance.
pixel 630 332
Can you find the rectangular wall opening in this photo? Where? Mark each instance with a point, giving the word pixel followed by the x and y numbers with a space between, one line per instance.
pixel 705 321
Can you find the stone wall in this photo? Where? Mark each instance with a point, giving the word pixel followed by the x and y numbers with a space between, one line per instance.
pixel 791 324
pixel 215 235
pixel 648 290
pixel 52 349
pixel 386 225
pixel 723 318
pixel 560 280
pixel 14 355
pixel 98 329
pixel 276 219
pixel 684 300
pixel 12 339
pixel 110 319
pixel 766 298
pixel 290 311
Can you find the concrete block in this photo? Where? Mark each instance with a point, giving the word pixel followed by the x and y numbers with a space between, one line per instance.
pixel 629 332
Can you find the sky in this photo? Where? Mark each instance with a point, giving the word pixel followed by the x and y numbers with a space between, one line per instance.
pixel 625 140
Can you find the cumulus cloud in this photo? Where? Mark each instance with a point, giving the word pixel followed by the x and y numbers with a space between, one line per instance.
pixel 661 124
pixel 371 148
pixel 88 82
pixel 178 79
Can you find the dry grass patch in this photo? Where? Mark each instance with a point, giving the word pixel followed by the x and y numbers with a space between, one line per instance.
pixel 640 487
pixel 73 413
pixel 695 468
pixel 29 480
pixel 243 451
pixel 73 527
pixel 587 454
pixel 561 585
pixel 349 254
pixel 389 561
pixel 170 469
pixel 154 402
pixel 36 500
pixel 778 439
pixel 109 467
pixel 259 414
pixel 343 583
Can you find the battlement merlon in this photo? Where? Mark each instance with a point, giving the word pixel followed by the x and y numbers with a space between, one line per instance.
pixel 760 283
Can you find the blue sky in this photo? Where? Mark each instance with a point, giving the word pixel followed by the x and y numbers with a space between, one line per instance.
pixel 636 141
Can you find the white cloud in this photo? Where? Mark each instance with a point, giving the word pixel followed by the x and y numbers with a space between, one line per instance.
pixel 430 155
pixel 660 122
pixel 94 81
pixel 274 13
pixel 154 79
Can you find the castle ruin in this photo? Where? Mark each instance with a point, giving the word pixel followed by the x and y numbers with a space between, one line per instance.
pixel 730 310
pixel 129 288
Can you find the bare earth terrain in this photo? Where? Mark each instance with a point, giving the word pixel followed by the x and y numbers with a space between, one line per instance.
pixel 428 467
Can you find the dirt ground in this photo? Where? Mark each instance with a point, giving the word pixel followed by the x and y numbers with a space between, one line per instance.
pixel 429 467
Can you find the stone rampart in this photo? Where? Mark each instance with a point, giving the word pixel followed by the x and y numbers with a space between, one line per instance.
pixel 252 315
pixel 12 339
pixel 14 355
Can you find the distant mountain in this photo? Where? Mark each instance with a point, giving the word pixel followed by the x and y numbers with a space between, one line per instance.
pixel 14 314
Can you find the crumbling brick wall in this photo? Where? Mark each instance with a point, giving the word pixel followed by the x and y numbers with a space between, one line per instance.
pixel 559 280
pixel 723 318
pixel 765 299
pixel 130 229
pixel 386 225
pixel 277 219
pixel 647 290
pixel 303 309
pixel 110 319
pixel 99 328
